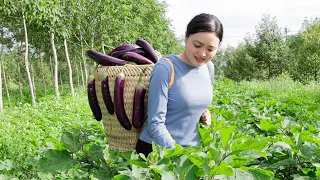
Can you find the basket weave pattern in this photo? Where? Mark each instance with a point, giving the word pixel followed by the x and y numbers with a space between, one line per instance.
pixel 118 137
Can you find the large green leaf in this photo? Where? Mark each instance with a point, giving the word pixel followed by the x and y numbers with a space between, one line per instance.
pixel 223 168
pixel 248 174
pixel 226 135
pixel 121 177
pixel 178 150
pixel 268 125
pixel 205 134
pixel 199 158
pixel 55 160
pixel 284 162
pixel 251 144
pixel 181 162
pixel 71 141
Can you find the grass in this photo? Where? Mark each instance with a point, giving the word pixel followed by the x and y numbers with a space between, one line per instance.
pixel 26 131
pixel 259 108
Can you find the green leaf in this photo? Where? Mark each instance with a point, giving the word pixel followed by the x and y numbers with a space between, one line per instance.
pixel 310 150
pixel 181 163
pixel 226 135
pixel 167 175
pixel 284 162
pixel 298 141
pixel 227 115
pixel 205 134
pixel 318 172
pixel 178 150
pixel 189 173
pixel 96 152
pixel 121 177
pixel 55 160
pixel 252 144
pixel 266 125
pixel 214 155
pixel 139 163
pixel 223 168
pixel 139 172
pixel 238 162
pixel 159 168
pixel 299 177
pixel 6 165
pixel 71 141
pixel 199 158
pixel 261 174
pixel 280 148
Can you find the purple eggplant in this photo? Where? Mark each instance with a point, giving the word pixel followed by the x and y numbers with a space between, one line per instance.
pixel 93 101
pixel 123 47
pixel 146 46
pixel 138 104
pixel 119 54
pixel 104 59
pixel 137 58
pixel 106 95
pixel 119 103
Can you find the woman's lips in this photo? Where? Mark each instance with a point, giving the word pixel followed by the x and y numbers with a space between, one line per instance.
pixel 199 60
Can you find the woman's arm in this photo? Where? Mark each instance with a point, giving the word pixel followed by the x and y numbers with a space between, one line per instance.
pixel 157 104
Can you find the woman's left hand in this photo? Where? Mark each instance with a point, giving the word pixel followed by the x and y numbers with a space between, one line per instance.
pixel 206 118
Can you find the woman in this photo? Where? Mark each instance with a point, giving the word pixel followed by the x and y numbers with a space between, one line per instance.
pixel 173 114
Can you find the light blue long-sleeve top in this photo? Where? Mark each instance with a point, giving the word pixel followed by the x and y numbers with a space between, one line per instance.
pixel 173 114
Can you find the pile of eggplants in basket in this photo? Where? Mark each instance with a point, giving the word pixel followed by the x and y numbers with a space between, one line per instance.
pixel 140 53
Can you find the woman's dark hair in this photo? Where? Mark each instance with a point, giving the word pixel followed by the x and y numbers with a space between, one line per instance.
pixel 205 23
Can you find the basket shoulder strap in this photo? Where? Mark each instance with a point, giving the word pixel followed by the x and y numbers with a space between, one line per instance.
pixel 172 72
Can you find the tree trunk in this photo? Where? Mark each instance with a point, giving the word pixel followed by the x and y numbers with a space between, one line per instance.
pixel 69 66
pixel 19 74
pixel 32 78
pixel 102 47
pixel 84 63
pixel 1 102
pixel 78 77
pixel 55 58
pixel 5 81
pixel 82 75
pixel 43 77
pixel 27 61
pixel 52 71
pixel 61 83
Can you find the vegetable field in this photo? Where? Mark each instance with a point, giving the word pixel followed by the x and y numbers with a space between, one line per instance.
pixel 260 130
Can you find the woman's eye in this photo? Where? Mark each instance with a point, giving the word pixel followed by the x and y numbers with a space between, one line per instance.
pixel 197 46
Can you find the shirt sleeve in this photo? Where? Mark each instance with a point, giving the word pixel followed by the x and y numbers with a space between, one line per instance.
pixel 211 71
pixel 157 105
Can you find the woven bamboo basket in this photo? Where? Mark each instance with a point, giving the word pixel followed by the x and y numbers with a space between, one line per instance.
pixel 118 137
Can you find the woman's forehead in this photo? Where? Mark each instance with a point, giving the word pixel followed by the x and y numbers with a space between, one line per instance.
pixel 207 38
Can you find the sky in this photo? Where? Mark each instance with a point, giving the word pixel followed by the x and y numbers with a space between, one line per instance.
pixel 240 17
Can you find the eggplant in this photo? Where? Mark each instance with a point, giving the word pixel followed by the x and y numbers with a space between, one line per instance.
pixel 104 59
pixel 119 103
pixel 93 100
pixel 146 46
pixel 138 104
pixel 123 47
pixel 106 95
pixel 137 58
pixel 119 54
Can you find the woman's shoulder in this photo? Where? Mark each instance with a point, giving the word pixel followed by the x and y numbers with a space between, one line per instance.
pixel 165 62
pixel 210 66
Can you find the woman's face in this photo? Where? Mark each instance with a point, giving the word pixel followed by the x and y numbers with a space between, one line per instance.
pixel 200 48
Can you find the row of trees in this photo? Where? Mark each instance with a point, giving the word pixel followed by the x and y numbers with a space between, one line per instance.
pixel 271 52
pixel 43 41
